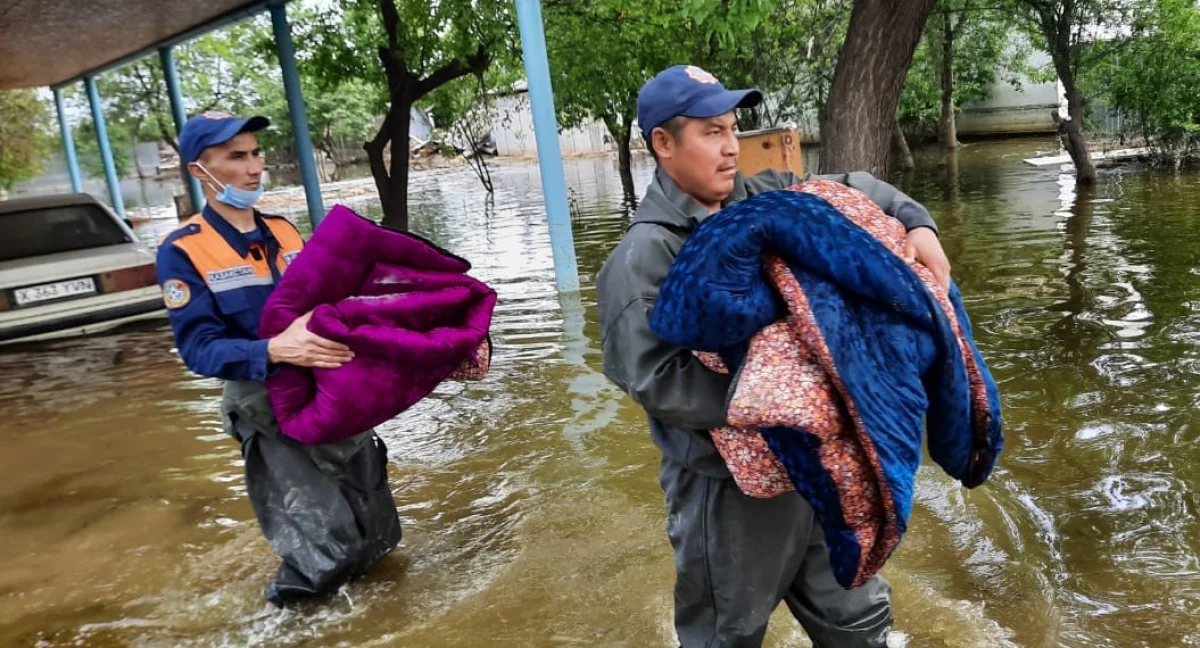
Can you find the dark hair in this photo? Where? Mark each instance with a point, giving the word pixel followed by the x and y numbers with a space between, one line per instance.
pixel 674 126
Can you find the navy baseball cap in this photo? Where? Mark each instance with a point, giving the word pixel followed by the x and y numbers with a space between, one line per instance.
pixel 213 129
pixel 688 91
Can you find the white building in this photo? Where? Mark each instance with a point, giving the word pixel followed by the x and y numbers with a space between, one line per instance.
pixel 512 129
pixel 1009 110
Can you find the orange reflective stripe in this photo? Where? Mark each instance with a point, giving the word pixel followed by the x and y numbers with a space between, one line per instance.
pixel 216 260
pixel 290 242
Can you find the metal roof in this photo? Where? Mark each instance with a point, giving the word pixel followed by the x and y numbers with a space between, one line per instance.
pixel 51 42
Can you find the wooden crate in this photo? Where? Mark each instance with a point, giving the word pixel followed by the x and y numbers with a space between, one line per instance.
pixel 770 148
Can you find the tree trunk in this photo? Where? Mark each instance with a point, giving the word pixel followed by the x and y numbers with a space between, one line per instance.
pixel 374 150
pixel 625 167
pixel 391 180
pixel 900 147
pixel 947 128
pixel 137 163
pixel 395 210
pixel 1077 146
pixel 625 160
pixel 856 131
pixel 620 129
pixel 1057 28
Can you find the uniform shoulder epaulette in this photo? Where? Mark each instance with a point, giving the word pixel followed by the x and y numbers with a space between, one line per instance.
pixel 186 229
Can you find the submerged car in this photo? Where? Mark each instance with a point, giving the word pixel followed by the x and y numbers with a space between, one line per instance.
pixel 69 266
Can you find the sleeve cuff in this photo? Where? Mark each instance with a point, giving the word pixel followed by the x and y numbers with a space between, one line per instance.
pixel 913 216
pixel 259 369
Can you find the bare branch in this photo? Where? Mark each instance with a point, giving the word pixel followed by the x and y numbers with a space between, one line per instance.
pixel 477 63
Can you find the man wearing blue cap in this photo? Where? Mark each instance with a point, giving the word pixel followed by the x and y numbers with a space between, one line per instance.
pixel 736 557
pixel 327 510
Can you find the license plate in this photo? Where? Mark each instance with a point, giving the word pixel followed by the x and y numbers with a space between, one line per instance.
pixel 57 290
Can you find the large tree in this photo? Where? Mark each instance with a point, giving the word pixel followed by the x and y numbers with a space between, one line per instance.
pixel 601 81
pixel 860 115
pixel 790 54
pixel 1150 77
pixel 340 119
pixel 967 48
pixel 409 48
pixel 743 42
pixel 120 142
pixel 1068 27
pixel 24 136
pixel 215 72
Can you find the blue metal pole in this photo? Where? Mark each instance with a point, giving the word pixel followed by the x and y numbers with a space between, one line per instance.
pixel 545 127
pixel 295 99
pixel 68 142
pixel 167 56
pixel 106 154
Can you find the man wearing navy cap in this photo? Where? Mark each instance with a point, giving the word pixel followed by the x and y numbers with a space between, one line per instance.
pixel 327 510
pixel 736 557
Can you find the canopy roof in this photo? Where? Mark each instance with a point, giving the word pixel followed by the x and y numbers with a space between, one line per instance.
pixel 51 42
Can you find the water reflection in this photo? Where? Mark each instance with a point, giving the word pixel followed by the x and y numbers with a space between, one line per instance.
pixel 531 512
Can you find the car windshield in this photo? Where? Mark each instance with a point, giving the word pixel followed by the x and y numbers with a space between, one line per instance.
pixel 51 230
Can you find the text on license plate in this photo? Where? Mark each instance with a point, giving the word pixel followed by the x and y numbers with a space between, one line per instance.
pixel 57 290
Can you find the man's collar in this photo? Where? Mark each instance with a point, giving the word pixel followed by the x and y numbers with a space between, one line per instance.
pixel 237 240
pixel 669 205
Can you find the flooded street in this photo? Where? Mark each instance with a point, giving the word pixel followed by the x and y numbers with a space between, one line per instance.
pixel 531 511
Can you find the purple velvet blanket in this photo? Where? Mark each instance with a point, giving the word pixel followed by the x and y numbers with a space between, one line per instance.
pixel 405 307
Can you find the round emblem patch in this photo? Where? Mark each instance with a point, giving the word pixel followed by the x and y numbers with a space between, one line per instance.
pixel 700 75
pixel 176 294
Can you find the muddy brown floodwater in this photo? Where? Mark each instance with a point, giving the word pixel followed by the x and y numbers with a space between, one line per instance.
pixel 531 512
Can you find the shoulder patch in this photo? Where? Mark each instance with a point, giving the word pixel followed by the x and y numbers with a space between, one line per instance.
pixel 176 294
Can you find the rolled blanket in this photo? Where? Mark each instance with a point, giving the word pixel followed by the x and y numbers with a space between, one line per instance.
pixel 405 307
pixel 839 349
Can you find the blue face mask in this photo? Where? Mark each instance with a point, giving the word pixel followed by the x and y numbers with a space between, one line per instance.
pixel 231 195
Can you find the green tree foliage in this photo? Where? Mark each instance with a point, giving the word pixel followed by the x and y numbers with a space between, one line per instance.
pixel 973 37
pixel 602 52
pixel 600 81
pixel 1066 28
pixel 408 49
pixel 790 54
pixel 24 136
pixel 1151 75
pixel 860 115
pixel 218 71
pixel 87 147
pixel 340 119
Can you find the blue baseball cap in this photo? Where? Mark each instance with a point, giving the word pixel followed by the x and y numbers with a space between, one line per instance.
pixel 688 91
pixel 214 128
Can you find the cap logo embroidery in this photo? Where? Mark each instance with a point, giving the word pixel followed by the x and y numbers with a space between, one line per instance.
pixel 700 75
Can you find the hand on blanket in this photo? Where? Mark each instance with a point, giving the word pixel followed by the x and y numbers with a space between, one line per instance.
pixel 923 246
pixel 303 348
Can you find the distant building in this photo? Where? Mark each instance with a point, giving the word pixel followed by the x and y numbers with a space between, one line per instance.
pixel 1011 111
pixel 512 129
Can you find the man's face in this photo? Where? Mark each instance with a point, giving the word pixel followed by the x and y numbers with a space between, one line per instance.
pixel 237 162
pixel 702 160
